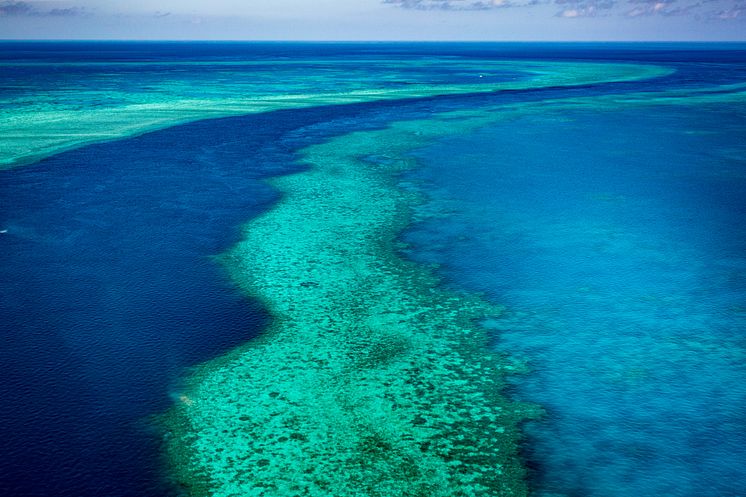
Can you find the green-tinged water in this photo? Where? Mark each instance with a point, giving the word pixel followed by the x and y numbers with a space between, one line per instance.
pixel 50 106
pixel 569 229
pixel 371 380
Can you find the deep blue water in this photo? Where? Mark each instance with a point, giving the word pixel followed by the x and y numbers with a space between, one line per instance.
pixel 620 258
pixel 110 290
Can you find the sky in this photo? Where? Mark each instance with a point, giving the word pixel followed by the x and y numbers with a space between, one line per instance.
pixel 429 20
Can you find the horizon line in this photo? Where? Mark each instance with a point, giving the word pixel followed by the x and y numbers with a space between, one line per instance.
pixel 214 40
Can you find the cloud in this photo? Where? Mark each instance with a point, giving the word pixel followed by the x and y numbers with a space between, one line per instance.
pixel 578 12
pixel 628 8
pixel 569 9
pixel 68 11
pixel 736 12
pixel 16 9
pixel 642 8
pixel 459 4
pixel 584 8
pixel 13 8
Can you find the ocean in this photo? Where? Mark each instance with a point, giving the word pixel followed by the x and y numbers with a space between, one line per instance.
pixel 372 269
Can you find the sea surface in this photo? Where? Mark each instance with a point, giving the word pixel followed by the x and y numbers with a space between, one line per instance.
pixel 606 217
pixel 621 264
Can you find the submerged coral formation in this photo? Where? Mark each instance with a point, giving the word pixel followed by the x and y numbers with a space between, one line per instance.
pixel 92 102
pixel 371 381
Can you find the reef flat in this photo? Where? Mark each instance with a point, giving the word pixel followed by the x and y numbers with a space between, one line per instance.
pixel 96 101
pixel 632 327
pixel 371 381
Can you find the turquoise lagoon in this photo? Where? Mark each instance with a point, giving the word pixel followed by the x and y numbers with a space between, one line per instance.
pixel 398 269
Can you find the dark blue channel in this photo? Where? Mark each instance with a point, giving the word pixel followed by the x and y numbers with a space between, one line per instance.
pixel 109 285
pixel 109 292
pixel 110 289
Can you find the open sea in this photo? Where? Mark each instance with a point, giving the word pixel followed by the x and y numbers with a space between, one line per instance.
pixel 606 217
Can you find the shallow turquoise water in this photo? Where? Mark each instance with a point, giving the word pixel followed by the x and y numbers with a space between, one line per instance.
pixel 614 237
pixel 616 240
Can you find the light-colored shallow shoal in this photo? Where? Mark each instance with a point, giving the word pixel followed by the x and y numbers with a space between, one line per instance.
pixel 40 122
pixel 371 381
